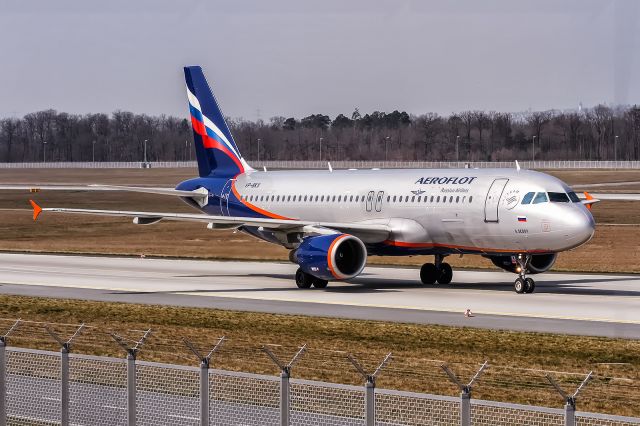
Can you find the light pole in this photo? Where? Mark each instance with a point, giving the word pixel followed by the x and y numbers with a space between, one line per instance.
pixel 258 150
pixel 44 151
pixel 615 149
pixel 93 151
pixel 145 152
pixel 320 149
pixel 186 149
pixel 457 149
pixel 386 148
pixel 533 147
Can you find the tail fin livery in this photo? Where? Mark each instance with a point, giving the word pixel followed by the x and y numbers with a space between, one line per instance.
pixel 216 151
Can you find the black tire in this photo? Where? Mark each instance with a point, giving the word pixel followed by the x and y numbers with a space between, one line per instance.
pixel 519 285
pixel 318 283
pixel 446 274
pixel 428 273
pixel 530 285
pixel 303 280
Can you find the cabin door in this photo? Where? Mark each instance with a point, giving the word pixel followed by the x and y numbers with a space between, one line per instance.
pixel 492 201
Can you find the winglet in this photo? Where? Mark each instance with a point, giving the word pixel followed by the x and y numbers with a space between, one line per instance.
pixel 36 209
pixel 590 200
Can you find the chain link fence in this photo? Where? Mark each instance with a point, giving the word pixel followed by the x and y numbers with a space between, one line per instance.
pixel 540 165
pixel 64 387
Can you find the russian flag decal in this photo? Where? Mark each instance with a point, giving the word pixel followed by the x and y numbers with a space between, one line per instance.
pixel 522 218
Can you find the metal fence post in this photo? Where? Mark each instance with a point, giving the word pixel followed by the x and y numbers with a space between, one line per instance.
pixel 131 389
pixel 369 388
pixel 3 373
pixel 64 386
pixel 205 362
pixel 65 348
pixel 132 354
pixel 285 385
pixel 570 400
pixel 3 383
pixel 465 392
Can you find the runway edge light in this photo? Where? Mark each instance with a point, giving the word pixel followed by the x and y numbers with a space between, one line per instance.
pixel 36 209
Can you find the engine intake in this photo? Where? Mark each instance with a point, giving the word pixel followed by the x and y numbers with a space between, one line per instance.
pixel 331 257
pixel 539 263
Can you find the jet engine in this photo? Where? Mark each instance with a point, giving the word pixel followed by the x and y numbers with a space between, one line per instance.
pixel 331 257
pixel 539 263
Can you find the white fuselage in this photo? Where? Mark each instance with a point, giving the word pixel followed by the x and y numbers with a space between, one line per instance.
pixel 456 210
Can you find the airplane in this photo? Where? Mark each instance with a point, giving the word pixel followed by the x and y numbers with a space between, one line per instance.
pixel 332 220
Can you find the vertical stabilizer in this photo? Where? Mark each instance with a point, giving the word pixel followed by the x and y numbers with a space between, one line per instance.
pixel 216 151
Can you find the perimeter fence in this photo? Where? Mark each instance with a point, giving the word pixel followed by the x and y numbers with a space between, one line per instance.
pixel 68 387
pixel 540 165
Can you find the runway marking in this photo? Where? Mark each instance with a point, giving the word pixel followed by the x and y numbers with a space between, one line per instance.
pixel 450 310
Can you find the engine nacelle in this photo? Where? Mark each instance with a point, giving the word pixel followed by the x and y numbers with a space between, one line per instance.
pixel 331 257
pixel 539 263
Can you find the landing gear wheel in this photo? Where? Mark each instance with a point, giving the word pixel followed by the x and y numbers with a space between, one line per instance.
pixel 529 285
pixel 446 274
pixel 428 273
pixel 519 285
pixel 303 280
pixel 318 283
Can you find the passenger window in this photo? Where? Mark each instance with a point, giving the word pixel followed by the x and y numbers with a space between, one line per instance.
pixel 316 198
pixel 438 199
pixel 432 198
pixel 394 198
pixel 457 199
pixel 470 198
pixel 333 198
pixel 528 197
pixel 541 197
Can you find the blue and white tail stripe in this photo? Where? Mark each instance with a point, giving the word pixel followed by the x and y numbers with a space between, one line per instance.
pixel 216 151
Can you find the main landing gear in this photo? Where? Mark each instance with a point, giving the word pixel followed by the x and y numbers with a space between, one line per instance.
pixel 438 271
pixel 304 280
pixel 522 283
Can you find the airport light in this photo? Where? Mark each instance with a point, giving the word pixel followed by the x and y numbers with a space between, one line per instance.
pixel 321 149
pixel 533 147
pixel 145 152
pixel 259 149
pixel 457 149
pixel 615 149
pixel 386 148
pixel 44 151
pixel 93 151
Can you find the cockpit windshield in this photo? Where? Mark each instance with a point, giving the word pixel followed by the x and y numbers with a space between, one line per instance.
pixel 558 197
pixel 554 197
pixel 541 197
pixel 574 197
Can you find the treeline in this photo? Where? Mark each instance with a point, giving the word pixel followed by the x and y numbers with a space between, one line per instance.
pixel 600 133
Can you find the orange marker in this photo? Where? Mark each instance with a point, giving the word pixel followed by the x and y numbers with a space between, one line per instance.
pixel 36 209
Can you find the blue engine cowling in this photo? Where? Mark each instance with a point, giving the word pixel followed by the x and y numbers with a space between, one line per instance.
pixel 331 257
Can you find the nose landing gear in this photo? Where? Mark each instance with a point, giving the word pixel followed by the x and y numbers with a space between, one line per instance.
pixel 523 284
pixel 438 271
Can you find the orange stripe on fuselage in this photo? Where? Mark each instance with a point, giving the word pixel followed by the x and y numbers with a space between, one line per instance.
pixel 456 247
pixel 255 208
pixel 329 263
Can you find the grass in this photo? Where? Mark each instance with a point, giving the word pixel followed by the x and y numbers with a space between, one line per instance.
pixel 516 358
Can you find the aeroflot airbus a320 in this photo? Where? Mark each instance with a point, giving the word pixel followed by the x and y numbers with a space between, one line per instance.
pixel 331 220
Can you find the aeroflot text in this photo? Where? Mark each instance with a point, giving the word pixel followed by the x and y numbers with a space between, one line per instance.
pixel 445 180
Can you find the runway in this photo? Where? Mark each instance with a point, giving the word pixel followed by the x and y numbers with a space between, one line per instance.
pixel 587 304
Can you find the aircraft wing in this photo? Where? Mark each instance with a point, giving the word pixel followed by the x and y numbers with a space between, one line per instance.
pixel 199 195
pixel 375 230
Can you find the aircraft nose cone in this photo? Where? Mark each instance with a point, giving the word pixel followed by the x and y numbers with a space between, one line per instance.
pixel 581 226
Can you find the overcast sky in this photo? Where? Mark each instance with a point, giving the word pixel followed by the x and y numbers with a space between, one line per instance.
pixel 294 58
